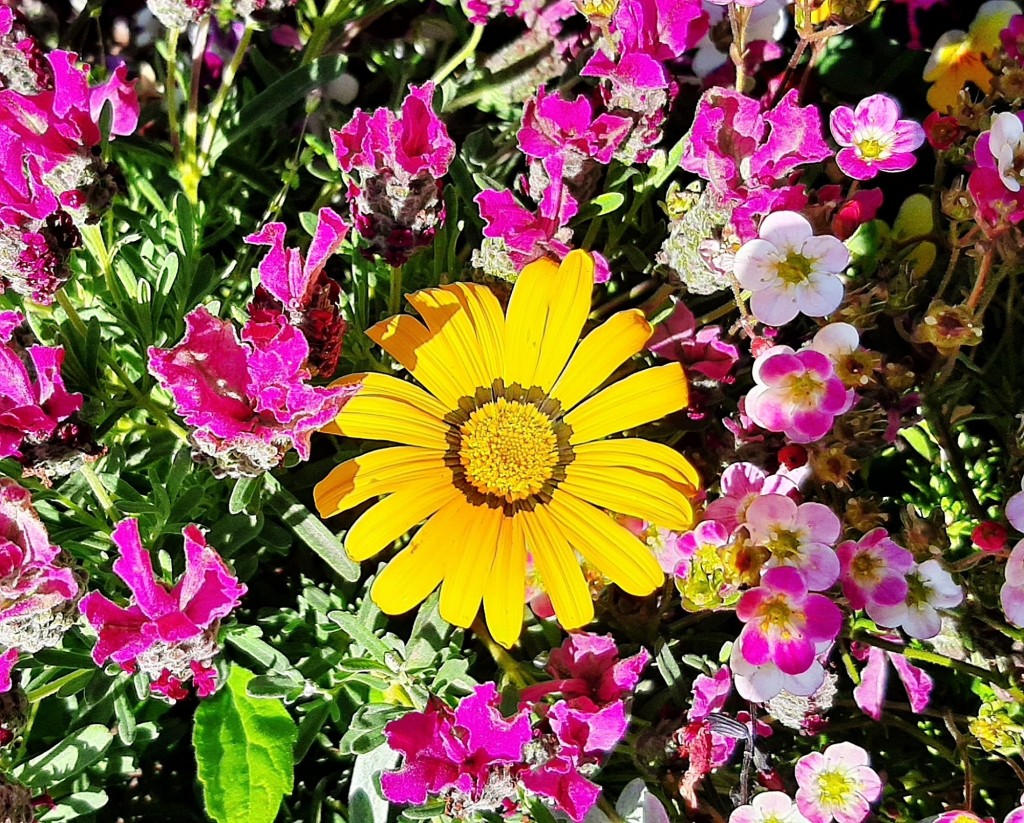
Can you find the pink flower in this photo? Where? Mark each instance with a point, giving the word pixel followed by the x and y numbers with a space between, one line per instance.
pixel 790 271
pixel 797 536
pixel 38 592
pixel 741 483
pixel 874 571
pixel 1011 595
pixel 873 137
pixel 874 679
pixel 1015 509
pixel 703 351
pixel 797 393
pixel 398 162
pixel 33 400
pixel 837 784
pixel 995 182
pixel 929 588
pixel 663 543
pixel 554 125
pixel 768 807
pixel 1012 38
pixel 300 289
pixel 784 622
pixel 462 754
pixel 249 401
pixel 168 633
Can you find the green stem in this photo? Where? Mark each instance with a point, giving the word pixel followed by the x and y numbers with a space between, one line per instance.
pixel 171 91
pixel 217 106
pixel 100 492
pixel 395 294
pixel 189 168
pixel 508 664
pixel 460 57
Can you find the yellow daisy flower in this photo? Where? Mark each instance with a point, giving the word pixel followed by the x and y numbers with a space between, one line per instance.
pixel 503 455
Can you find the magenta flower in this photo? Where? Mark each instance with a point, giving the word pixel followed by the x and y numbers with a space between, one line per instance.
pixel 994 184
pixel 398 163
pixel 249 401
pixel 300 290
pixel 874 571
pixel 797 393
pixel 798 536
pixel 1012 38
pixel 169 633
pixel 870 693
pixel 741 484
pixel 873 138
pixel 703 351
pixel 554 125
pixel 38 592
pixel 837 784
pixel 463 755
pixel 790 270
pixel 22 65
pixel 929 588
pixel 768 807
pixel 33 400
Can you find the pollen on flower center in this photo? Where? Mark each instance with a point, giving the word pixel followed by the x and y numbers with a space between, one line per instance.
pixel 865 566
pixel 508 449
pixel 805 389
pixel 795 269
pixel 835 788
pixel 776 613
pixel 784 543
pixel 873 149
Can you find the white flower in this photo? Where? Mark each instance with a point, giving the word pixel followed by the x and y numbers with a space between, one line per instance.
pixel 768 807
pixel 790 271
pixel 1006 142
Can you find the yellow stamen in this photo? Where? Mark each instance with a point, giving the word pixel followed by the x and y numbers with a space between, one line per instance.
pixel 508 449
pixel 835 789
pixel 795 269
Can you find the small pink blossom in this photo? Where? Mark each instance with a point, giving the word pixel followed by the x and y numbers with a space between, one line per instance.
pixel 1015 509
pixel 768 807
pixel 800 536
pixel 398 162
pixel 874 571
pixel 248 400
pixel 169 633
pixel 929 588
pixel 784 622
pixel 1011 595
pixel 33 399
pixel 995 183
pixel 761 683
pixel 869 694
pixel 873 138
pixel 702 351
pixel 837 784
pixel 663 543
pixel 791 271
pixel 707 533
pixel 741 484
pixel 1012 38
pixel 989 536
pixel 797 393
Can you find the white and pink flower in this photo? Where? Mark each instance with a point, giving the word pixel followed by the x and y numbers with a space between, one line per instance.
pixel 837 784
pixel 874 571
pixel 873 138
pixel 741 484
pixel 929 588
pixel 800 536
pixel 791 271
pixel 768 807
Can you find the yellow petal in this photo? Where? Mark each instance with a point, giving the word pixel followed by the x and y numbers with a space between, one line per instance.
pixel 418 569
pixel 559 570
pixel 443 312
pixel 470 564
pixel 376 417
pixel 505 596
pixel 633 401
pixel 376 473
pixel 427 357
pixel 616 552
pixel 524 325
pixel 384 522
pixel 625 490
pixel 488 321
pixel 600 353
pixel 385 385
pixel 644 455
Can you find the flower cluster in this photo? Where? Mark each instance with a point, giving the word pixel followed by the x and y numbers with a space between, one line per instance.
pixel 54 179
pixel 478 760
pixel 168 633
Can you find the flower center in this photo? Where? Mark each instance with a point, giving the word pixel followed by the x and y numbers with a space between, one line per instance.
pixel 835 789
pixel 795 269
pixel 776 614
pixel 805 389
pixel 784 543
pixel 918 590
pixel 873 149
pixel 865 566
pixel 508 449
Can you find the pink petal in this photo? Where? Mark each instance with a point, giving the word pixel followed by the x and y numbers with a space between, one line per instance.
pixel 842 124
pixel 879 111
pixel 828 253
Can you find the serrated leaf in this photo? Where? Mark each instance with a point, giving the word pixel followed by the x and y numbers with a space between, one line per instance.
pixel 244 752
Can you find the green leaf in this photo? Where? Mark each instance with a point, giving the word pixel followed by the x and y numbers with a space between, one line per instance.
pixel 244 753
pixel 68 758
pixel 75 806
pixel 310 530
pixel 361 634
pixel 608 202
pixel 365 801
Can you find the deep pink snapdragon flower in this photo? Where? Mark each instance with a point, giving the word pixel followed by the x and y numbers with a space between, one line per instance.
pixel 397 162
pixel 797 393
pixel 299 289
pixel 33 399
pixel 874 138
pixel 784 622
pixel 38 591
pixel 874 570
pixel 169 633
pixel 800 536
pixel 553 125
pixel 247 400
